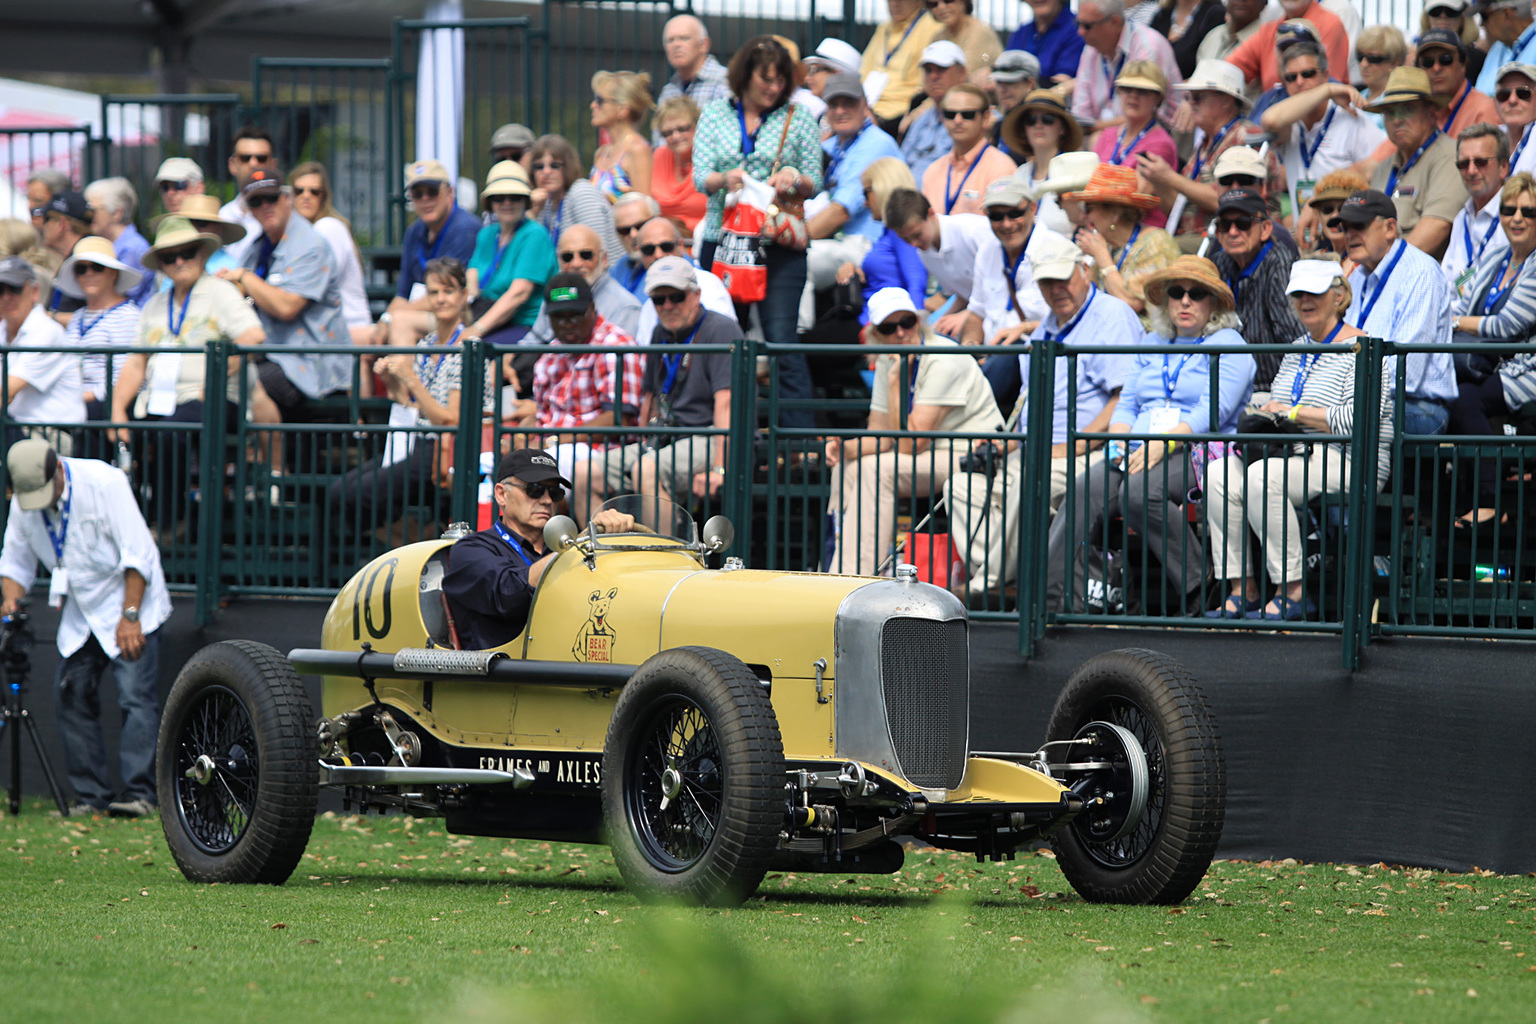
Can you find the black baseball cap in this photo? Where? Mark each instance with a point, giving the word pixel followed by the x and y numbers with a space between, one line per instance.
pixel 567 293
pixel 1243 200
pixel 530 465
pixel 261 181
pixel 1441 37
pixel 1364 207
pixel 70 203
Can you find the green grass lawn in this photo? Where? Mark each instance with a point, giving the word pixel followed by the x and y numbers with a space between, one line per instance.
pixel 389 918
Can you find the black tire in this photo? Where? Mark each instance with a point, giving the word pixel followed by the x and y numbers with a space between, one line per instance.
pixel 240 705
pixel 704 714
pixel 1164 856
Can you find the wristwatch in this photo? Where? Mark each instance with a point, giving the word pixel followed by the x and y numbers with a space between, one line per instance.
pixel 131 613
pixel 718 469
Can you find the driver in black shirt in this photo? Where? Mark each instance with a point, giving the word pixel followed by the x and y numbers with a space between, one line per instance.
pixel 492 574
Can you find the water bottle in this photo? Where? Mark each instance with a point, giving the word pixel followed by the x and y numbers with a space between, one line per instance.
pixel 487 491
pixel 1486 573
pixel 124 460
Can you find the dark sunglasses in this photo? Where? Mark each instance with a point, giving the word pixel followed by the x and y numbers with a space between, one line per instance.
pixel 586 254
pixel 1442 12
pixel 669 298
pixel 625 229
pixel 552 165
pixel 90 268
pixel 257 202
pixel 1503 95
pixel 174 186
pixel 318 193
pixel 1480 161
pixel 667 133
pixel 649 248
pixel 1326 209
pixel 1374 58
pixel 253 158
pixel 969 115
pixel 1088 26
pixel 1337 224
pixel 1031 119
pixel 186 254
pixel 425 191
pixel 1225 224
pixel 1306 73
pixel 1238 180
pixel 1528 212
pixel 1196 294
pixel 1444 58
pixel 998 216
pixel 906 323
pixel 537 491
pixel 498 200
pixel 11 289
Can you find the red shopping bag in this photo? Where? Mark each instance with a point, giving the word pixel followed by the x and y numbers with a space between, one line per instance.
pixel 741 258
pixel 935 557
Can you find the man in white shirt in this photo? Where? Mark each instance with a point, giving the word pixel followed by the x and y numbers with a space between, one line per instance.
pixel 253 152
pixel 1482 159
pixel 657 238
pixel 1005 301
pixel 41 387
pixel 79 519
pixel 947 246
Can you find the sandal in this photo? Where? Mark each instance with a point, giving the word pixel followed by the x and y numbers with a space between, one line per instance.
pixel 1236 606
pixel 1285 609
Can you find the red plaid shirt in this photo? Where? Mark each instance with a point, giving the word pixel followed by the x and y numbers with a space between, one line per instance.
pixel 570 390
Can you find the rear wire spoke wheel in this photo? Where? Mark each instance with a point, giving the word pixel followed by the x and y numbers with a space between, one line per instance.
pixel 236 766
pixel 1155 814
pixel 693 779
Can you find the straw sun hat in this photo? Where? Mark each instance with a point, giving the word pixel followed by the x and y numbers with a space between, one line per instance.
pixel 1197 269
pixel 1111 184
pixel 506 178
pixel 100 252
pixel 1041 101
pixel 175 232
pixel 203 211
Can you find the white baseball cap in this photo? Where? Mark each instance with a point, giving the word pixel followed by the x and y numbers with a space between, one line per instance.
pixel 179 168
pixel 943 54
pixel 835 54
pixel 1313 277
pixel 1056 260
pixel 887 301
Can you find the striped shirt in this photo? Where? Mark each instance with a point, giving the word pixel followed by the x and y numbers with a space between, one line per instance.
pixel 1267 315
pixel 1413 308
pixel 116 326
pixel 1330 385
pixel 582 204
pixel 1515 322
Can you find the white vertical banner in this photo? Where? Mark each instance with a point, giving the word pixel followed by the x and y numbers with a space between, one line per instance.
pixel 440 88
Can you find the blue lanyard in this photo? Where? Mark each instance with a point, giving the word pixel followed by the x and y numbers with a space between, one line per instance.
pixel 437 246
pixel 749 139
pixel 1077 318
pixel 675 359
pixel 1381 285
pixel 1112 75
pixel 501 251
pixel 1466 237
pixel 264 257
pixel 1118 154
pixel 58 538
pixel 1495 289
pixel 1234 282
pixel 1466 91
pixel 170 312
pixel 1119 263
pixel 1391 188
pixel 87 328
pixel 839 150
pixel 506 535
pixel 1169 383
pixel 1525 136
pixel 1308 153
pixel 911 384
pixel 421 360
pixel 951 200
pixel 902 42
pixel 1300 380
pixel 1200 158
pixel 1009 271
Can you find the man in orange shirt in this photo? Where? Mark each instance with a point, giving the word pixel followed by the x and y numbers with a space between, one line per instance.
pixel 1258 57
pixel 1443 57
pixel 955 183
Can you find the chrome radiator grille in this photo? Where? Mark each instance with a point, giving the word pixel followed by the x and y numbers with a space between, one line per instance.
pixel 924 670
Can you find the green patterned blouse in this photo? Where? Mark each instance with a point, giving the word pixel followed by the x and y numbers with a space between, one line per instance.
pixel 717 146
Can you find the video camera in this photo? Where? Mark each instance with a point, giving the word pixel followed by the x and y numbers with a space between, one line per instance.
pixel 982 459
pixel 16 638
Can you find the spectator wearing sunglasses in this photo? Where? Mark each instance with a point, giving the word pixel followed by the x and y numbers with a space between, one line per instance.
pixel 1036 132
pixel 1318 128
pixel 1142 87
pixel 95 273
pixel 1482 159
pixel 113 203
pixel 562 197
pixel 177 179
pixel 311 187
pixel 1005 303
pixel 631 211
pixel 1421 176
pixel 1053 38
pixel 1256 267
pixel 1243 19
pixel 442 230
pixel 513 259
pixel 1443 57
pixel 1380 49
pixel 1512 39
pixel 1516 99
pixel 493 574
pixel 66 219
pixel 676 120
pixel 42 387
pixel 935 391
pixel 1112 44
pixel 657 239
pixel 1015 74
pixel 1454 16
pixel 956 181
pixel 252 151
pixel 579 251
pixel 1323 230
pixel 1259 57
pixel 922 131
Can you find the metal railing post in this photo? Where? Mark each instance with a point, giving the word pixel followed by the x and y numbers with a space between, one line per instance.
pixel 210 511
pixel 1035 497
pixel 737 503
pixel 466 447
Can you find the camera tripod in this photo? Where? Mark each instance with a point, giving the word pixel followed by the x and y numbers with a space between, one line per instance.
pixel 14 718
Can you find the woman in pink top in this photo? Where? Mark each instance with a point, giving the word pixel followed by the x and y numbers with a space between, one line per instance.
pixel 672 172
pixel 1141 87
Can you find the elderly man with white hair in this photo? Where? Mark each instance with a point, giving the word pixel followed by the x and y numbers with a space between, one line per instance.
pixel 695 71
pixel 1112 42
pixel 983 508
pixel 631 212
pixel 113 204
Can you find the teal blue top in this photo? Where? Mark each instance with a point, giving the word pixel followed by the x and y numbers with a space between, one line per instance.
pixel 530 256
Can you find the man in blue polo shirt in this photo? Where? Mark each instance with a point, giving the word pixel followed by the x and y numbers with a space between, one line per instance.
pixel 839 222
pixel 1053 38
pixel 441 229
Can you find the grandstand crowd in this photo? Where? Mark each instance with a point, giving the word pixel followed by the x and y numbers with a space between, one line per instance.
pixel 1170 174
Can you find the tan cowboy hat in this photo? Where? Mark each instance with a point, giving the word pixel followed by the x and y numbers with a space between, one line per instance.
pixel 175 232
pixel 1188 268
pixel 1143 74
pixel 1041 101
pixel 1337 187
pixel 1112 184
pixel 1405 85
pixel 203 211
pixel 99 251
pixel 506 178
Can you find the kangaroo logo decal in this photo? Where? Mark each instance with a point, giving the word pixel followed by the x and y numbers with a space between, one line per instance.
pixel 595 640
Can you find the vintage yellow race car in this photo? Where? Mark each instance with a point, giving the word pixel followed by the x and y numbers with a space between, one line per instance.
pixel 707 723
